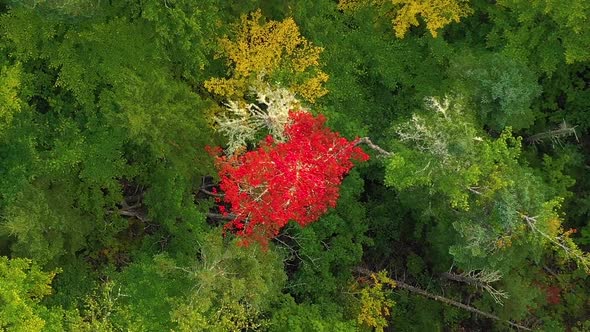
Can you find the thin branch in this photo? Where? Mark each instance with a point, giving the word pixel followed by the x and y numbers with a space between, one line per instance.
pixel 367 141
pixel 475 190
pixel 133 214
pixel 548 270
pixel 457 304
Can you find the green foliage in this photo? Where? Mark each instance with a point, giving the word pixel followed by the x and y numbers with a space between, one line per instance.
pixel 23 286
pixel 233 288
pixel 93 117
pixel 442 148
pixel 290 316
pixel 504 212
pixel 139 298
pixel 185 28
pixel 544 33
pixel 40 231
pixel 172 204
pixel 414 313
pixel 9 83
pixel 437 14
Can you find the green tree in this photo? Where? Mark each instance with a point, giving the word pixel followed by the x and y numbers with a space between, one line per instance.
pixel 544 33
pixel 502 90
pixel 23 286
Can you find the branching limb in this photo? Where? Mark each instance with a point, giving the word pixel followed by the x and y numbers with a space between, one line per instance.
pixel 482 280
pixel 551 272
pixel 570 250
pixel 458 305
pixel 564 130
pixel 132 211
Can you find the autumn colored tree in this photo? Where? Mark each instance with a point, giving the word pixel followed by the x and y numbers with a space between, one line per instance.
pixel 295 180
pixel 269 51
pixel 407 13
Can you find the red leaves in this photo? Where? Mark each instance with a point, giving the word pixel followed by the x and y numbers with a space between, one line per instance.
pixel 297 180
pixel 553 294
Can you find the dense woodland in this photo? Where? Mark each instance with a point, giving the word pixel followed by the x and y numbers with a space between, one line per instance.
pixel 308 165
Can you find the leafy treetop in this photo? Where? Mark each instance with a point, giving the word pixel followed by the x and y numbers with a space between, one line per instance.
pixel 405 13
pixel 272 50
pixel 295 180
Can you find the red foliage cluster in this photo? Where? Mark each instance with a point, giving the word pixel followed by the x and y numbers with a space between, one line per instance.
pixel 296 180
pixel 553 294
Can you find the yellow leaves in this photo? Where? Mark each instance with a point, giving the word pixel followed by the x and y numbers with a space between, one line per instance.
pixel 351 5
pixel 504 242
pixel 312 88
pixel 553 226
pixel 375 306
pixel 549 220
pixel 262 51
pixel 436 13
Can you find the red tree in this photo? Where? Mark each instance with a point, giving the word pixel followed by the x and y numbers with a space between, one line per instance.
pixel 297 180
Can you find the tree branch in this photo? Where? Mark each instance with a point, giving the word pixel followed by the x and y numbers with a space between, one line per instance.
pixel 462 279
pixel 131 213
pixel 367 141
pixel 210 193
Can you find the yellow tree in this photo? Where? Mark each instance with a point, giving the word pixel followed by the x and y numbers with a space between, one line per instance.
pixel 436 13
pixel 269 51
pixel 375 304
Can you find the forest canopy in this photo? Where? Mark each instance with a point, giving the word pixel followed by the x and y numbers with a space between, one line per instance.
pixel 310 165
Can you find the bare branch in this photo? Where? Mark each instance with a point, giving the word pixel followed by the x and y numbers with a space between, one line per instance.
pixel 367 140
pixel 458 305
pixel 474 190
pixel 482 280
pixel 548 270
pixel 295 252
pixel 131 213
